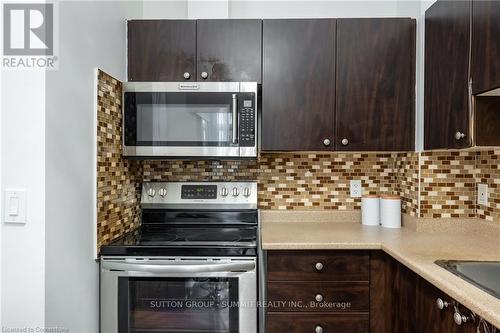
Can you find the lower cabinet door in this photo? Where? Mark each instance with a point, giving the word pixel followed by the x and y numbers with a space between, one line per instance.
pixel 317 322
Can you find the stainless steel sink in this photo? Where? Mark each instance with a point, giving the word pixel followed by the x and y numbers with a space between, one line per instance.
pixel 482 274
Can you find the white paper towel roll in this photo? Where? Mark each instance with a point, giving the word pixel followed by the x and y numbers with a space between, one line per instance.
pixel 390 211
pixel 370 210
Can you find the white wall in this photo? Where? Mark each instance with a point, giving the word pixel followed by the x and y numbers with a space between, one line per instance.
pixel 317 9
pixel 164 9
pixel 23 160
pixel 22 167
pixel 91 34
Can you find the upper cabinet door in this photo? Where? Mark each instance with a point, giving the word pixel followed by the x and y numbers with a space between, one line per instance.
pixel 161 50
pixel 375 84
pixel 229 50
pixel 298 87
pixel 446 95
pixel 485 46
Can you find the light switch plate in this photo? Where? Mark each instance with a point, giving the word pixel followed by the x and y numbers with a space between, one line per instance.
pixel 356 189
pixel 15 206
pixel 482 194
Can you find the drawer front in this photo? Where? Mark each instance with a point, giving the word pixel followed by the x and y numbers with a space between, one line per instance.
pixel 318 266
pixel 308 323
pixel 318 296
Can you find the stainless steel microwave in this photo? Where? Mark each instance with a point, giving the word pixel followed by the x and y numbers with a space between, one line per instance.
pixel 190 119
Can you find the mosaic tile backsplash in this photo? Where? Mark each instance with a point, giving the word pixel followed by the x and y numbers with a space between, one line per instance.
pixel 406 181
pixel 447 184
pixel 118 183
pixel 488 172
pixel 321 181
pixel 296 181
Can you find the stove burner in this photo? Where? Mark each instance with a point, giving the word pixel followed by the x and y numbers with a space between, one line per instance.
pixel 159 237
pixel 214 236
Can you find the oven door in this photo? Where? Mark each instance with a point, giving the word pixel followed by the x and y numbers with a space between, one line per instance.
pixel 178 295
pixel 181 119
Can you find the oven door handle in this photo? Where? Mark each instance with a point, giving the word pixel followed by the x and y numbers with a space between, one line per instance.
pixel 155 268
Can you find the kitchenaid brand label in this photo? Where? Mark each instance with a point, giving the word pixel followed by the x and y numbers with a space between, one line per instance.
pixel 28 36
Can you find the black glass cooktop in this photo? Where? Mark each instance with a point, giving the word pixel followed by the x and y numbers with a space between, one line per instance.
pixel 163 235
pixel 189 233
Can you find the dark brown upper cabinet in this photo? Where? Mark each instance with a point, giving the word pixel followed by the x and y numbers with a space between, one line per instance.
pixel 229 50
pixel 375 84
pixel 485 69
pixel 459 64
pixel 298 86
pixel 161 50
pixel 194 50
pixel 446 92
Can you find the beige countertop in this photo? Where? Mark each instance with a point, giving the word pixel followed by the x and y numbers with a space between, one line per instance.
pixel 416 250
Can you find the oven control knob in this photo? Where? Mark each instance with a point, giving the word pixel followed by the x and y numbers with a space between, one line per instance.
pixel 162 191
pixel 246 192
pixel 151 192
pixel 235 192
pixel 224 192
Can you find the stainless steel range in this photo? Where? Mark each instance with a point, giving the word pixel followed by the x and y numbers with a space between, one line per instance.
pixel 190 267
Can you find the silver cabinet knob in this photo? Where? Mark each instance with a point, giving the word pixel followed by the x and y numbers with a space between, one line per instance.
pixel 460 318
pixel 441 304
pixel 318 266
pixel 162 191
pixel 151 192
pixel 326 142
pixel 459 135
pixel 204 75
pixel 345 142
pixel 224 192
pixel 235 192
pixel 318 329
pixel 246 192
pixel 187 75
pixel 319 298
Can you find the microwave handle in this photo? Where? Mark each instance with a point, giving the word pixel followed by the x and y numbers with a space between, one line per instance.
pixel 204 268
pixel 235 118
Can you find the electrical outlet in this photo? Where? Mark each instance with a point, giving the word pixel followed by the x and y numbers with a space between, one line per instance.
pixel 356 188
pixel 482 194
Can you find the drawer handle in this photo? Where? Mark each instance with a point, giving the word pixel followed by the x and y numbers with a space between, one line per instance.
pixel 319 298
pixel 319 266
pixel 318 329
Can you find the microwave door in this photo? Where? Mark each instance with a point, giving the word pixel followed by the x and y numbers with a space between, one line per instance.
pixel 181 124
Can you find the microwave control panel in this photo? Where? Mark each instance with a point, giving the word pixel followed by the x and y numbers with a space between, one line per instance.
pixel 247 112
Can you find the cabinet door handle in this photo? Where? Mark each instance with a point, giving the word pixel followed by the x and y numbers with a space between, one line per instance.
pixel 345 142
pixel 235 118
pixel 319 266
pixel 460 318
pixel 441 304
pixel 187 75
pixel 318 329
pixel 319 298
pixel 204 75
pixel 459 135
pixel 326 142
